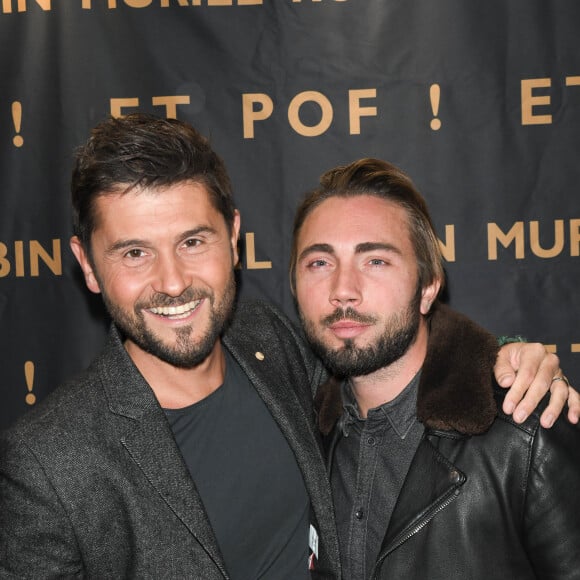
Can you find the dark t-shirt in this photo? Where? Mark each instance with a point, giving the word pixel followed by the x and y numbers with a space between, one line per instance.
pixel 248 479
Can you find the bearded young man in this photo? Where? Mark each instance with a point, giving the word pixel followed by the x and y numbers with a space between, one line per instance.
pixel 430 478
pixel 188 448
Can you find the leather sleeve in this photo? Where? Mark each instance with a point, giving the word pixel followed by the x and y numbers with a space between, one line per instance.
pixel 552 510
pixel 36 538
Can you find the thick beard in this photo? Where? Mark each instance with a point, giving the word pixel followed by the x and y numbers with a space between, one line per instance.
pixel 352 361
pixel 185 353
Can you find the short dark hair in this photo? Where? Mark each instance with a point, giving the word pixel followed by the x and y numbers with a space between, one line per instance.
pixel 141 150
pixel 385 181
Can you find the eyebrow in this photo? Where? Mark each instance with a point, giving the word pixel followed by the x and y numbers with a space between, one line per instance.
pixel 372 246
pixel 361 248
pixel 124 244
pixel 324 248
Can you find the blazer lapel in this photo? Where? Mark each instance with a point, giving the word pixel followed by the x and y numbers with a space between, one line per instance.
pixel 149 441
pixel 277 392
pixel 152 448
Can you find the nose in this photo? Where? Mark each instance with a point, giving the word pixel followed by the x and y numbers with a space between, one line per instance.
pixel 170 276
pixel 346 287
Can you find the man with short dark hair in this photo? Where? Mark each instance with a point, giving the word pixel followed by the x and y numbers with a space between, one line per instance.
pixel 188 449
pixel 429 478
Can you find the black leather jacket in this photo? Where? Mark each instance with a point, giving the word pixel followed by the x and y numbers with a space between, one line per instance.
pixel 484 498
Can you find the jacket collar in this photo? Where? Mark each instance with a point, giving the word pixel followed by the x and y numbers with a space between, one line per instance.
pixel 456 387
pixel 128 393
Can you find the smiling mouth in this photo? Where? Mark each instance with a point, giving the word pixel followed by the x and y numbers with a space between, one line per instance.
pixel 176 312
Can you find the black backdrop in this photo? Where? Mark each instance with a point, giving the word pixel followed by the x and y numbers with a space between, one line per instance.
pixel 478 102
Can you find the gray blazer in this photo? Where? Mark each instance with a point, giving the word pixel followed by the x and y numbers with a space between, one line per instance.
pixel 92 484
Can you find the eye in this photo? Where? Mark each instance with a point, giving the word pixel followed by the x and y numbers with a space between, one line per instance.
pixel 134 253
pixel 377 262
pixel 135 257
pixel 319 263
pixel 192 243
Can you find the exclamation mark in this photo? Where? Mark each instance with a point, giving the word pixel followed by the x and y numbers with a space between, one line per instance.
pixel 435 96
pixel 18 140
pixel 29 374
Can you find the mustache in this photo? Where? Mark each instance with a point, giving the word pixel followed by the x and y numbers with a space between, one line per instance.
pixel 348 314
pixel 159 299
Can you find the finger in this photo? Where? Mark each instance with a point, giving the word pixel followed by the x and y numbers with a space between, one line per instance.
pixel 517 391
pixel 573 405
pixel 538 387
pixel 521 358
pixel 505 375
pixel 513 356
pixel 558 397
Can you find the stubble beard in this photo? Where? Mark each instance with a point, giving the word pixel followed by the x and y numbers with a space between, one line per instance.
pixel 350 360
pixel 185 352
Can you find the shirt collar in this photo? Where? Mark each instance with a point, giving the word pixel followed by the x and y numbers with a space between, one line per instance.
pixel 401 412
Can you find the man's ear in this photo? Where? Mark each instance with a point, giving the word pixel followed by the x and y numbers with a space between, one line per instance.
pixel 429 295
pixel 82 258
pixel 235 237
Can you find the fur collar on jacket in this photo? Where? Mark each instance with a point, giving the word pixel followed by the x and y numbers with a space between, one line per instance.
pixel 456 387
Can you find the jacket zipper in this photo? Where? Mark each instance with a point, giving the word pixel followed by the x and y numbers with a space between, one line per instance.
pixel 417 528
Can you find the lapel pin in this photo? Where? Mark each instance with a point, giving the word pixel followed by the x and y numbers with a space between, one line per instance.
pixel 259 355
